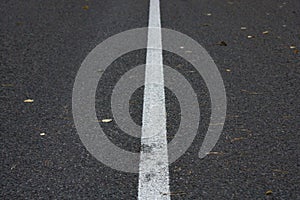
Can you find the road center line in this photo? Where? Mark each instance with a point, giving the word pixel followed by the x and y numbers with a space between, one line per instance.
pixel 154 167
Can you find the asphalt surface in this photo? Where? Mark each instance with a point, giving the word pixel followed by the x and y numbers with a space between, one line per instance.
pixel 43 44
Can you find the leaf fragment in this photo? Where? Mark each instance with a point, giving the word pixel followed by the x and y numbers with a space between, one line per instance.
pixel 106 120
pixel 28 101
pixel 269 192
pixel 265 32
pixel 237 139
pixel 215 153
pixel 222 43
pixel 7 85
pixel 86 7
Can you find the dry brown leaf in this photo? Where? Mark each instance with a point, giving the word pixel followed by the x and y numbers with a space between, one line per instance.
pixel 222 43
pixel 86 7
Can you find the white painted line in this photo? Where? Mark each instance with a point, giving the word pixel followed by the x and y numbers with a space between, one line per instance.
pixel 154 167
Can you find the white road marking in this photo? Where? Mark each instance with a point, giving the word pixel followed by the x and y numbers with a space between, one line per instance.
pixel 154 167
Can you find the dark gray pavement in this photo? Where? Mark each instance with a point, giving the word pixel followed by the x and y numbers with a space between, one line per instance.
pixel 43 44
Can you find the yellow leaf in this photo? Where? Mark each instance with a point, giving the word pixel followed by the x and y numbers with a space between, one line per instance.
pixel 265 32
pixel 28 101
pixel 106 120
pixel 269 192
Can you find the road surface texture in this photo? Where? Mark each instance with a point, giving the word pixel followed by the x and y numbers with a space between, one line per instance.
pixel 254 45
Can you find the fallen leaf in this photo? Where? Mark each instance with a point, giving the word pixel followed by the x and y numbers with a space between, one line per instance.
pixel 250 92
pixel 269 192
pixel 237 139
pixel 292 47
pixel 296 51
pixel 28 101
pixel 13 166
pixel 215 153
pixel 228 70
pixel 86 7
pixel 106 120
pixel 280 171
pixel 208 14
pixel 222 43
pixel 177 169
pixel 42 134
pixel 179 65
pixel 265 32
pixel 243 28
pixel 250 36
pixel 7 85
pixel 19 23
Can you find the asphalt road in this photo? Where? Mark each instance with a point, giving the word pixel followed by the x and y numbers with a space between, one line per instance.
pixel 43 44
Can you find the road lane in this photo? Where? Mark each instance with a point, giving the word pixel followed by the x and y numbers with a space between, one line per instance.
pixel 43 45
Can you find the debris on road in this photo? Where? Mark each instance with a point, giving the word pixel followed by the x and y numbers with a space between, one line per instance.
pixel 106 120
pixel 222 43
pixel 86 7
pixel 28 101
pixel 269 192
pixel 265 32
pixel 237 139
pixel 7 85
pixel 215 153
pixel 250 92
